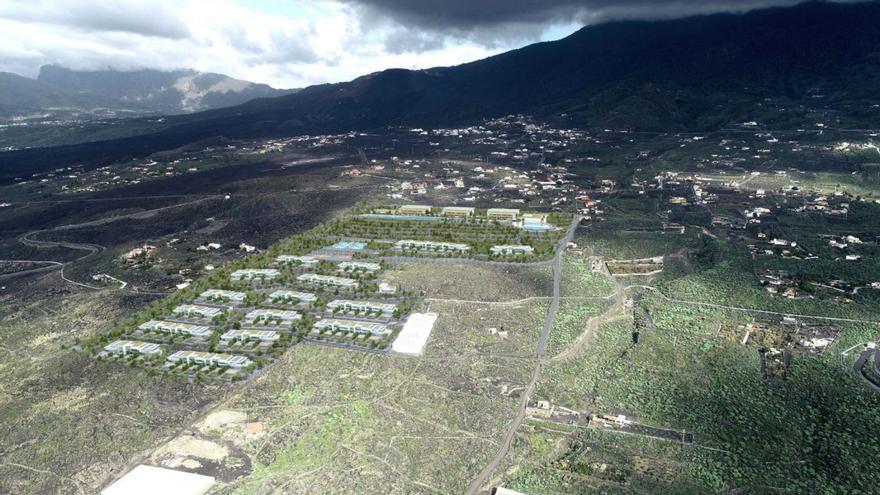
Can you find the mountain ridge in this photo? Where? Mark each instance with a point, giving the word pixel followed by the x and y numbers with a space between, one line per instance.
pixel 113 93
pixel 698 73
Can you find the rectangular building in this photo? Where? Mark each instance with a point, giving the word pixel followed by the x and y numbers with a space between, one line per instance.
pixel 385 309
pixel 351 326
pixel 222 296
pixel 258 335
pixel 273 316
pixel 359 266
pixel 292 297
pixel 254 274
pixel 196 357
pixel 457 211
pixel 513 250
pixel 328 280
pixel 411 245
pixel 196 311
pixel 502 214
pixel 285 259
pixel 125 347
pixel 414 210
pixel 175 328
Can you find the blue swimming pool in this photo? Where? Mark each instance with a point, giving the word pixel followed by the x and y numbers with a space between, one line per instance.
pixel 349 246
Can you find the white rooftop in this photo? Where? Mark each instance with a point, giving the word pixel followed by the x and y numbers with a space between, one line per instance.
pixel 151 480
pixel 415 333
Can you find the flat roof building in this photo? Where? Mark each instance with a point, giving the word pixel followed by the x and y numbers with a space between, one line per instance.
pixel 315 279
pixel 125 347
pixel 196 311
pixel 351 326
pixel 431 246
pixel 512 250
pixel 150 480
pixel 176 328
pixel 286 259
pixel 386 288
pixel 362 266
pixel 217 295
pixel 231 360
pixel 254 274
pixel 502 214
pixel 292 295
pixel 275 316
pixel 457 211
pixel 414 210
pixel 386 309
pixel 246 334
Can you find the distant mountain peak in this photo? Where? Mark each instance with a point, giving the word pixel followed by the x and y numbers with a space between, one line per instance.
pixel 60 92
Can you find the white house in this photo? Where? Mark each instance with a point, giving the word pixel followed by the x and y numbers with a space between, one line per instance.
pixel 125 347
pixel 254 274
pixel 272 316
pixel 175 328
pixel 196 311
pixel 512 250
pixel 351 326
pixel 285 259
pixel 259 335
pixel 386 309
pixel 315 279
pixel 222 296
pixel 413 245
pixel 289 296
pixel 359 266
pixel 196 357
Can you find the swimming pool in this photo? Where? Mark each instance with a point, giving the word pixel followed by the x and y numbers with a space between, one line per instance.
pixel 349 246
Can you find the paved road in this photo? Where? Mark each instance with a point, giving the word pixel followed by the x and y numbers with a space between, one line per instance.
pixel 51 265
pixel 92 249
pixel 481 479
pixel 859 364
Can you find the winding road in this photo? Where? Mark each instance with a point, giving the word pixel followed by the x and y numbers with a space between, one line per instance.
pixel 90 249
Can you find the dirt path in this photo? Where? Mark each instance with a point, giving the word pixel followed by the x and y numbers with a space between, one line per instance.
pixel 748 310
pixel 616 312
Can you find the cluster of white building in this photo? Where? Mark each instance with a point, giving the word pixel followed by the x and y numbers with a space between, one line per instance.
pixel 210 358
pixel 327 280
pixel 196 311
pixel 176 328
pixel 254 274
pixel 126 347
pixel 292 296
pixel 351 326
pixel 250 335
pixel 359 266
pixel 385 309
pixel 222 296
pixel 272 316
pixel 513 250
pixel 286 259
pixel 445 247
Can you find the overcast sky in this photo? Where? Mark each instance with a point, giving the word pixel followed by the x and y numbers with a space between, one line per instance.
pixel 293 43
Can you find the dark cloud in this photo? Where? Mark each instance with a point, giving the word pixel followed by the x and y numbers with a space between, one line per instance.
pixel 472 15
pixel 123 16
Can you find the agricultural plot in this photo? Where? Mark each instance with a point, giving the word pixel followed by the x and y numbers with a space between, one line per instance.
pixel 476 328
pixel 474 282
pixel 402 425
